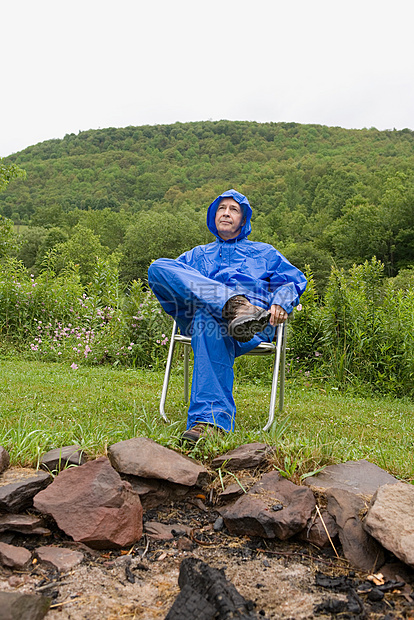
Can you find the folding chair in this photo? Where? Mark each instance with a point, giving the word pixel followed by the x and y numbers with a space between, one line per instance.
pixel 265 348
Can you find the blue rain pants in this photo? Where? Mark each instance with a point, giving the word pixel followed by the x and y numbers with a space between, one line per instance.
pixel 196 303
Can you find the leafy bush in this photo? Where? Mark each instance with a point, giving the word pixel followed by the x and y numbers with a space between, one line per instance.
pixel 368 330
pixel 55 317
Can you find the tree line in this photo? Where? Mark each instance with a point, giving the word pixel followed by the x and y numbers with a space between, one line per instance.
pixel 322 195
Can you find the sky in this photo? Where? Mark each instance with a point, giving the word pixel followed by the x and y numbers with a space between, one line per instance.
pixel 72 66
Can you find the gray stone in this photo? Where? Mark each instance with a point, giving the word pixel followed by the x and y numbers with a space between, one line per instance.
pixel 145 458
pixel 359 548
pixel 4 459
pixel 23 523
pixel 62 559
pixel 315 533
pixel 273 508
pixel 18 606
pixel 18 486
pixel 360 477
pixel 390 519
pixel 93 505
pixel 248 456
pixel 14 557
pixel 59 458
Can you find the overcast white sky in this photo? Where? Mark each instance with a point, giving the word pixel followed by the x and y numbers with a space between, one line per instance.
pixel 75 65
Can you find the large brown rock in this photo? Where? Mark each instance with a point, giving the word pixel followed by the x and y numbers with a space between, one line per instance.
pixel 248 456
pixel 93 505
pixel 359 548
pixel 14 557
pixel 359 477
pixel 18 606
pixel 273 508
pixel 390 519
pixel 18 486
pixel 146 458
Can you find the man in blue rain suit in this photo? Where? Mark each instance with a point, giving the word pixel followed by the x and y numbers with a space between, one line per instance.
pixel 228 295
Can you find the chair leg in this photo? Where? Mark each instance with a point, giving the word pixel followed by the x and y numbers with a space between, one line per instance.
pixel 186 382
pixel 167 373
pixel 282 370
pixel 280 330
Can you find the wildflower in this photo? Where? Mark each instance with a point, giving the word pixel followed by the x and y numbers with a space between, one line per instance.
pixel 299 307
pixel 74 366
pixel 317 354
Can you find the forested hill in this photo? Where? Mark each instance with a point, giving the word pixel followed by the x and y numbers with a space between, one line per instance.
pixel 320 194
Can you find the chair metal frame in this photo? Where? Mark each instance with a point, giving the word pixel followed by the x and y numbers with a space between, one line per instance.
pixel 265 348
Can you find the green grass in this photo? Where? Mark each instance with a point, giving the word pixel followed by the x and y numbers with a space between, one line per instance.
pixel 44 406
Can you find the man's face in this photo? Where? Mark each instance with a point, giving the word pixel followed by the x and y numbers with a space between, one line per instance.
pixel 229 218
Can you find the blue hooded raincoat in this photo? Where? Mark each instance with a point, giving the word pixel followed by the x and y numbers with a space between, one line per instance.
pixel 194 289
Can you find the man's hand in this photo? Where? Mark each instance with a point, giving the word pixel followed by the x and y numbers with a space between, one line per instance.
pixel 277 315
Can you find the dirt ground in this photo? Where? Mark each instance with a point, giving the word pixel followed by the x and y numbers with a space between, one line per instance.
pixel 142 582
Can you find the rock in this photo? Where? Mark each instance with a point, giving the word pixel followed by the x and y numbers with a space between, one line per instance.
pixel 160 531
pixel 18 486
pixel 15 581
pixel 59 458
pixel 93 505
pixel 232 491
pixel 390 519
pixel 315 532
pixel 218 524
pixel 359 477
pixel 18 606
pixel 359 548
pixel 185 544
pixel 253 513
pixel 250 455
pixel 14 557
pixel 23 523
pixel 152 492
pixel 4 459
pixel 62 559
pixel 398 571
pixel 146 458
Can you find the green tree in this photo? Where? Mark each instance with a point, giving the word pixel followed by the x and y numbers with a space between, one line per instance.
pixel 29 243
pixel 156 235
pixel 9 172
pixel 84 249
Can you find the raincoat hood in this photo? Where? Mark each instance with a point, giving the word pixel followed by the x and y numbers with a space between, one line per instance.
pixel 246 228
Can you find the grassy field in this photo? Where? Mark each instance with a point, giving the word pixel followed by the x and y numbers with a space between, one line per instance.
pixel 44 406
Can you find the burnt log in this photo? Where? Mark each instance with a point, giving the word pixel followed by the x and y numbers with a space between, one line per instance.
pixel 206 588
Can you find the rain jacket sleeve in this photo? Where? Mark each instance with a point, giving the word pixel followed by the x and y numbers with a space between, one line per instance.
pixel 286 282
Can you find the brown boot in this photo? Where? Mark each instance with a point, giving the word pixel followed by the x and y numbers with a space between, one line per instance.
pixel 245 320
pixel 200 430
